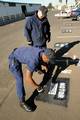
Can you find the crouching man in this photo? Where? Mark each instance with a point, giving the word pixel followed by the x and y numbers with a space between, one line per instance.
pixel 33 57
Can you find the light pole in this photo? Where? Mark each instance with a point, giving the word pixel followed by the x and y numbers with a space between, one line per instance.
pixel 66 2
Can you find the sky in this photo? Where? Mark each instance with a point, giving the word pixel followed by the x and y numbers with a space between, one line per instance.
pixel 43 2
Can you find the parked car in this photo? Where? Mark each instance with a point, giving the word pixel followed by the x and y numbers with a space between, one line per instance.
pixel 58 45
pixel 75 14
pixel 63 14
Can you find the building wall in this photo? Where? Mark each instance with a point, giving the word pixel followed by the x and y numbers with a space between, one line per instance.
pixel 11 12
pixel 6 10
pixel 32 7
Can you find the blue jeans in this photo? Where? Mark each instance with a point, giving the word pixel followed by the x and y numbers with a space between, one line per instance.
pixel 16 69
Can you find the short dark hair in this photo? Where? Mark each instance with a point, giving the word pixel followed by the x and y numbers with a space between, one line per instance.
pixel 44 10
pixel 50 53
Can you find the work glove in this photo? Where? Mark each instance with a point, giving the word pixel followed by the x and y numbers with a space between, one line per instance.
pixel 48 40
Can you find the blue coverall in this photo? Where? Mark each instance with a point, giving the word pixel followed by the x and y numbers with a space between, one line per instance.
pixel 23 55
pixel 37 31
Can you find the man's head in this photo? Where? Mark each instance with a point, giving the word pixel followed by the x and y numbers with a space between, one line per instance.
pixel 42 12
pixel 48 55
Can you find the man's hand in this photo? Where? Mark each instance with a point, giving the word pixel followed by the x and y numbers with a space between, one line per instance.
pixel 48 40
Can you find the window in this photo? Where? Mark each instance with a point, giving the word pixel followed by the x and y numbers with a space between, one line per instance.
pixel 30 5
pixel 12 4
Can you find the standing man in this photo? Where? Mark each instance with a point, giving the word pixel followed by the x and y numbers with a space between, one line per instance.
pixel 33 57
pixel 37 28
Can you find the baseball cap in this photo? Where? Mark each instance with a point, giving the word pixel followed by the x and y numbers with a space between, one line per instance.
pixel 50 53
pixel 44 10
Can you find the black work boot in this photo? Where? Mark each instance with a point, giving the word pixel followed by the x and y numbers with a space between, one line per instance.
pixel 26 107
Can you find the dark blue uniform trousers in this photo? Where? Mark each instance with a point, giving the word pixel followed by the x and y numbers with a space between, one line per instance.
pixel 16 69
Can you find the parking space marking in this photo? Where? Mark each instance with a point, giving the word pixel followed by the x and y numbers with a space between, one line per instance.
pixel 78 63
pixel 69 27
pixel 74 57
pixel 69 36
pixel 56 93
pixel 67 24
pixel 67 71
pixel 66 30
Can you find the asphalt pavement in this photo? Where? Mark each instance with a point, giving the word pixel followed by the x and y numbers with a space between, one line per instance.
pixel 12 36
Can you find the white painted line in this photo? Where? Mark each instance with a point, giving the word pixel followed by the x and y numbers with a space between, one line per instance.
pixel 62 86
pixel 61 94
pixel 70 27
pixel 54 90
pixel 74 56
pixel 67 71
pixel 66 53
pixel 68 36
pixel 78 63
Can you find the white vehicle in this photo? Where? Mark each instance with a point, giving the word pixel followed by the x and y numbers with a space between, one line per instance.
pixel 63 14
pixel 60 44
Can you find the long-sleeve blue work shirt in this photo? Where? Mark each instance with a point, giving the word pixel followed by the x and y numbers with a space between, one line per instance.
pixel 27 55
pixel 37 31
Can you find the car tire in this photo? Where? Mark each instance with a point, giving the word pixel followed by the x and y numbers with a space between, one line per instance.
pixel 78 17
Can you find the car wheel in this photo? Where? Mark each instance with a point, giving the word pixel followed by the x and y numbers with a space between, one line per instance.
pixel 78 17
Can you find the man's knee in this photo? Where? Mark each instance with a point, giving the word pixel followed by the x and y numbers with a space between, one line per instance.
pixel 13 64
